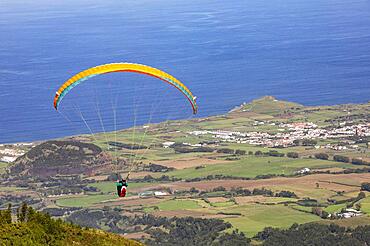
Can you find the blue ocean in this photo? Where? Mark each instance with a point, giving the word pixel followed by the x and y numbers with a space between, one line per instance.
pixel 227 52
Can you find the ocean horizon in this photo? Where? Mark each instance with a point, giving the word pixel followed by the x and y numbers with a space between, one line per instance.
pixel 227 53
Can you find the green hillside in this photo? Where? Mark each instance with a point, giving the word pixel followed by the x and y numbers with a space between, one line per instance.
pixel 269 105
pixel 35 228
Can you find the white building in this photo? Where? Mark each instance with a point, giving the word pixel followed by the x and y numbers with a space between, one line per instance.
pixel 167 144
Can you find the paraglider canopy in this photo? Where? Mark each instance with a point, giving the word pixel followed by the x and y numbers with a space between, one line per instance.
pixel 123 67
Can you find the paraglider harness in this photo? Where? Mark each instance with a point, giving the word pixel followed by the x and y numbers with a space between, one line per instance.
pixel 122 184
pixel 121 187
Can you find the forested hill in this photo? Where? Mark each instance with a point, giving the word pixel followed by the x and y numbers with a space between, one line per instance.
pixel 35 228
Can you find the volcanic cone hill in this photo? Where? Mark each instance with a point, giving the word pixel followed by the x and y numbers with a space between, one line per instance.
pixel 60 157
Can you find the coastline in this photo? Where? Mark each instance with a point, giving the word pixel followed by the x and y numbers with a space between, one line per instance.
pixel 236 108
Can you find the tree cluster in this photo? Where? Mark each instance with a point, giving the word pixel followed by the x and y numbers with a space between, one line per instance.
pixel 162 230
pixel 305 142
pixel 316 235
pixel 322 156
pixel 269 153
pixel 157 168
pixel 180 148
pixel 120 145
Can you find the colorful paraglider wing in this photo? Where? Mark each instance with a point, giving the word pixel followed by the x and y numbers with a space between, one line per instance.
pixel 123 67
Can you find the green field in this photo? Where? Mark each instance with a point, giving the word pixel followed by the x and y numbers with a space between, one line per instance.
pixel 276 200
pixel 3 166
pixel 256 217
pixel 177 205
pixel 365 205
pixel 83 201
pixel 11 188
pixel 222 204
pixel 252 166
pixel 335 208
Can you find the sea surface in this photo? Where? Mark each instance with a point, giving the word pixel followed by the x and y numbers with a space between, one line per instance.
pixel 227 52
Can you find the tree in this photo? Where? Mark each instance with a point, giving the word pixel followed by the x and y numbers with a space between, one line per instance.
pixel 365 186
pixel 22 212
pixel 358 161
pixel 225 151
pixel 193 190
pixel 258 153
pixel 316 234
pixel 322 156
pixel 240 152
pixel 6 216
pixel 361 195
pixel 286 193
pixel 324 214
pixel 219 188
pixel 275 153
pixel 309 142
pixel 292 155
pixel 318 211
pixel 341 158
pixel 358 206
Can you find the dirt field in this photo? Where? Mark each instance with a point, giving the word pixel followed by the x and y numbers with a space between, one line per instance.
pixel 137 235
pixel 242 200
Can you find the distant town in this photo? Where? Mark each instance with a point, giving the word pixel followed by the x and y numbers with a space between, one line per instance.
pixel 289 133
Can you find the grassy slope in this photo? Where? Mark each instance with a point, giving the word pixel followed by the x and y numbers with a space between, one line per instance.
pixel 269 105
pixel 335 208
pixel 28 233
pixel 256 217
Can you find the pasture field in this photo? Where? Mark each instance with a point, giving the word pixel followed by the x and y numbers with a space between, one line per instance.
pixel 11 188
pixel 177 204
pixel 222 204
pixel 365 205
pixel 335 208
pixel 256 217
pixel 244 200
pixel 252 166
pixel 252 219
pixel 3 166
pixel 192 162
pixel 83 201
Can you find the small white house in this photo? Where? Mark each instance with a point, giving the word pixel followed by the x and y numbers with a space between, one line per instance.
pixel 350 212
pixel 160 193
pixel 152 193
pixel 167 144
pixel 304 170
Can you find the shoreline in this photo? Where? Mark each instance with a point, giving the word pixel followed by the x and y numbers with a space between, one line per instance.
pixel 37 141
